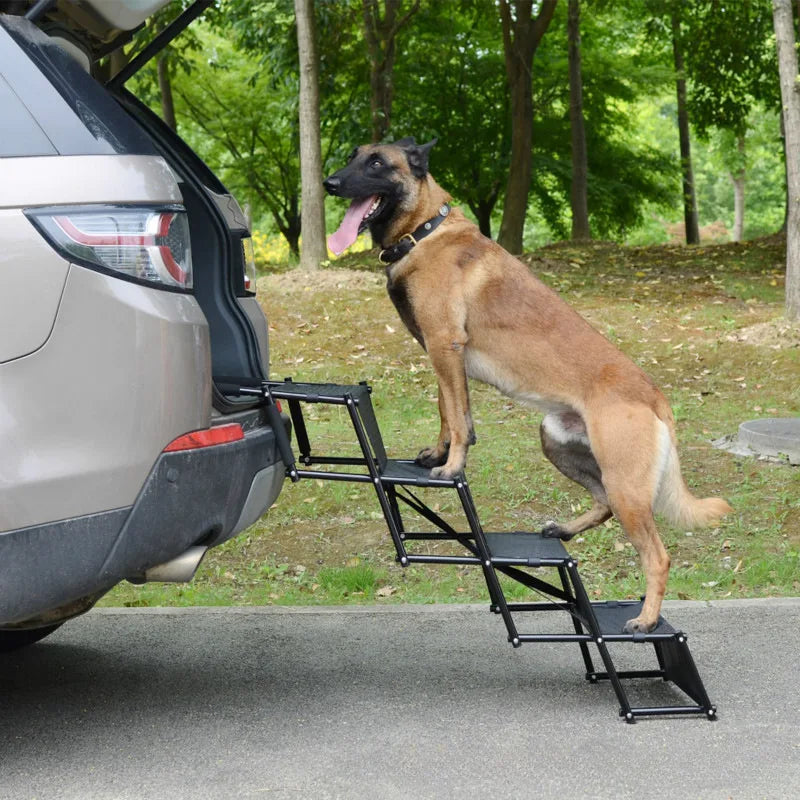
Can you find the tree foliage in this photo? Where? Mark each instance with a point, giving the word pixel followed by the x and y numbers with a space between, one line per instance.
pixel 730 61
pixel 243 118
pixel 235 81
pixel 460 99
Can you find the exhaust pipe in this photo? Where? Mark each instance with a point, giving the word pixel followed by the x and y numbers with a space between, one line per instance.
pixel 179 570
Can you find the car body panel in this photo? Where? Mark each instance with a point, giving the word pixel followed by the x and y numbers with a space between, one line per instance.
pixel 50 565
pixel 102 18
pixel 74 180
pixel 126 370
pixel 182 502
pixel 76 114
pixel 33 277
pixel 266 486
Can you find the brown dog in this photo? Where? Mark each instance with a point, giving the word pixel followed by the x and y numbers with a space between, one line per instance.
pixel 480 313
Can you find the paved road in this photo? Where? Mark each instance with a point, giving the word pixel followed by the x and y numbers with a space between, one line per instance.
pixel 385 703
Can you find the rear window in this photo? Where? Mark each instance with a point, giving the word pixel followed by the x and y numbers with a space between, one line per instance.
pixel 45 88
pixel 21 134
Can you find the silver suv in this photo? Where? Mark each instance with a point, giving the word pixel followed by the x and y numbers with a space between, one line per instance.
pixel 127 319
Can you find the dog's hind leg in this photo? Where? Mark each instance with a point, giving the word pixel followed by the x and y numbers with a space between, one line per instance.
pixel 625 441
pixel 565 443
pixel 639 525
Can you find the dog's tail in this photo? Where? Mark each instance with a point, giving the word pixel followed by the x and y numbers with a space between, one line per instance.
pixel 672 497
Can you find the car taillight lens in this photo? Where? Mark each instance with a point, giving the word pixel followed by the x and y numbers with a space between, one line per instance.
pixel 132 242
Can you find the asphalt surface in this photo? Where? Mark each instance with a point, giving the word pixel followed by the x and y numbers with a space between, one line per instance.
pixel 396 702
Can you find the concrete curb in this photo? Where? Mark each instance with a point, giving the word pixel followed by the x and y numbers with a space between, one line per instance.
pixel 408 608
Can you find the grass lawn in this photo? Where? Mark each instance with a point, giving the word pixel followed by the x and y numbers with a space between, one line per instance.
pixel 704 322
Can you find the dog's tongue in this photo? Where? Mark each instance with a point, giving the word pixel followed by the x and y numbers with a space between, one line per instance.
pixel 347 232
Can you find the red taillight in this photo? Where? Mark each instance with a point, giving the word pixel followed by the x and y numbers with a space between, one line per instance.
pixel 222 434
pixel 141 243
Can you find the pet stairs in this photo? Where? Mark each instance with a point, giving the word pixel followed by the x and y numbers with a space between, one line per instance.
pixel 514 555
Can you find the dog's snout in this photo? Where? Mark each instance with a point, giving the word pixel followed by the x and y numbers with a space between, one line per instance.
pixel 332 184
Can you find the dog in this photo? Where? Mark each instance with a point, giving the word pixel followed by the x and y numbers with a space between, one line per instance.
pixel 480 313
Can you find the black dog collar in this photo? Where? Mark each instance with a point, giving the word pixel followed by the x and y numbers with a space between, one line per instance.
pixel 408 240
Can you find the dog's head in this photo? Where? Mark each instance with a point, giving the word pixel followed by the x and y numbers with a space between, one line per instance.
pixel 383 182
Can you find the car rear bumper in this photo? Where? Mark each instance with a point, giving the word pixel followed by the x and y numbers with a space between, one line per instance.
pixel 190 497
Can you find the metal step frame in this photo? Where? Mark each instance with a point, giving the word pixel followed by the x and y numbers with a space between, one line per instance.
pixel 511 554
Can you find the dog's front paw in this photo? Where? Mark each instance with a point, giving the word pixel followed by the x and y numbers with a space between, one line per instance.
pixel 553 530
pixel 445 473
pixel 430 457
pixel 639 625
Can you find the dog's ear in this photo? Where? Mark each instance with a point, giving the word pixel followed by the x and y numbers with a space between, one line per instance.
pixel 417 155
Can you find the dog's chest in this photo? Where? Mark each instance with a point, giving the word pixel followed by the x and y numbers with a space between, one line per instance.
pixel 482 367
pixel 398 294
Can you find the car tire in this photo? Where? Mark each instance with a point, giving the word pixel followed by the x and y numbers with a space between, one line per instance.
pixel 14 639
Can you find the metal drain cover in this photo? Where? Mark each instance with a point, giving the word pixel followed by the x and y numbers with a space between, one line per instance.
pixel 771 438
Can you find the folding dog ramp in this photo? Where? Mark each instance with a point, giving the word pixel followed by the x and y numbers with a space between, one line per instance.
pixel 514 555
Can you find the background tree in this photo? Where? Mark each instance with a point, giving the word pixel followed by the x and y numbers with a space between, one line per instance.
pixel 787 64
pixel 735 38
pixel 262 34
pixel 380 32
pixel 245 122
pixel 579 193
pixel 717 159
pixel 522 34
pixel 461 99
pixel 738 171
pixel 687 176
pixel 314 249
pixel 174 58
pixel 449 80
pixel 621 72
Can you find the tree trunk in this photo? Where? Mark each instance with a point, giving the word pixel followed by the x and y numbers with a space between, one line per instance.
pixel 579 190
pixel 521 37
pixel 483 215
pixel 738 207
pixel 314 249
pixel 787 66
pixel 738 179
pixel 689 201
pixel 381 36
pixel 165 87
pixel 287 220
pixel 785 177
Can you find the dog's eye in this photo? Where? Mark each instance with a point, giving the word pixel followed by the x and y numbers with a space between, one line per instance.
pixel 376 163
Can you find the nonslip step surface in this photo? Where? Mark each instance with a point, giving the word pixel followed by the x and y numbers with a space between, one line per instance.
pixel 526 548
pixel 612 615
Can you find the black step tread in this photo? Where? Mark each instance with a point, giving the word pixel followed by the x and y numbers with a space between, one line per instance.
pixel 526 548
pixel 613 614
pixel 288 389
pixel 405 471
